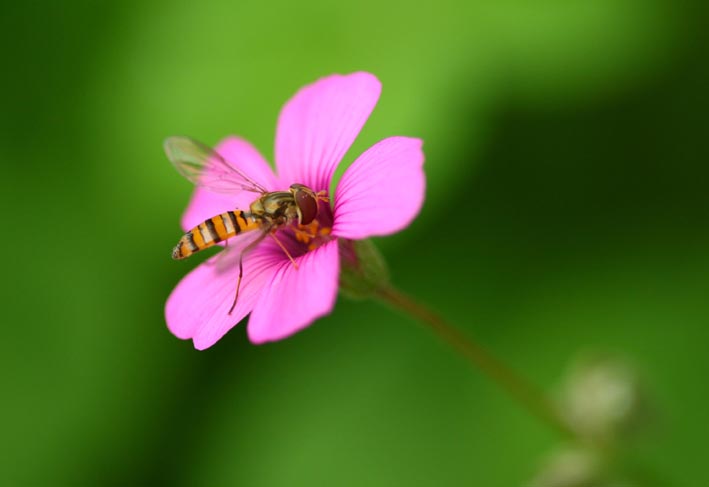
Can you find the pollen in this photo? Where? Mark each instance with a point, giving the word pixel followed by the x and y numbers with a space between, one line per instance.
pixel 313 234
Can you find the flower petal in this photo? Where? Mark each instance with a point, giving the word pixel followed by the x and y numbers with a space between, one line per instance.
pixel 294 298
pixel 203 205
pixel 318 125
pixel 198 308
pixel 382 191
pixel 243 156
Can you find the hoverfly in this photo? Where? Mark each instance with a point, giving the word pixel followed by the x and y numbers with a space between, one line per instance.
pixel 271 211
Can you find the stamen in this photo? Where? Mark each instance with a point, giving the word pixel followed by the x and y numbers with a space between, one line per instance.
pixel 312 234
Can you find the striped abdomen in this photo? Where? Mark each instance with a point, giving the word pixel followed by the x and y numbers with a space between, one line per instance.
pixel 213 231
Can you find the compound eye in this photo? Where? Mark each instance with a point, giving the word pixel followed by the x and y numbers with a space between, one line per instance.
pixel 307 204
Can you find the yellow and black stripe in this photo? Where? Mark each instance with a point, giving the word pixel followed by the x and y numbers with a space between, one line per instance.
pixel 213 231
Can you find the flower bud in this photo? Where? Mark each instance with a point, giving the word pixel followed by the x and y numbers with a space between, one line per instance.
pixel 569 468
pixel 603 399
pixel 363 270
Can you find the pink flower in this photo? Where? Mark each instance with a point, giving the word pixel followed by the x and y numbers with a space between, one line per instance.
pixel 379 194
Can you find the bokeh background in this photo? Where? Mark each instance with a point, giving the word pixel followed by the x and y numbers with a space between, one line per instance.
pixel 567 213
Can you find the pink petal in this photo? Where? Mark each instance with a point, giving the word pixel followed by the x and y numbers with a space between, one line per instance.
pixel 203 205
pixel 244 156
pixel 198 308
pixel 382 191
pixel 318 125
pixel 294 298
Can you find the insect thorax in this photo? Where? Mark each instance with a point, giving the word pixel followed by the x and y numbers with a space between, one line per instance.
pixel 278 206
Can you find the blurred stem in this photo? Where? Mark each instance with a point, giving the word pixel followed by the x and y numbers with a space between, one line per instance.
pixel 519 388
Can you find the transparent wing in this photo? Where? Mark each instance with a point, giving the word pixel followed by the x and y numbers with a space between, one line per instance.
pixel 204 167
pixel 231 255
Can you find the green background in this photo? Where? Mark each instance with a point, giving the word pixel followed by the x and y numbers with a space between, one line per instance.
pixel 566 212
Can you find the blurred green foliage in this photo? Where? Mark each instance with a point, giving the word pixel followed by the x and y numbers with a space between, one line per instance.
pixel 567 210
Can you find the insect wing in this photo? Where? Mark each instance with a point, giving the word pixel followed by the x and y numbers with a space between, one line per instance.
pixel 204 167
pixel 229 257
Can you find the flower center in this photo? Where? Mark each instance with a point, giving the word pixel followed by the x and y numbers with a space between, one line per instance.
pixel 300 239
pixel 312 235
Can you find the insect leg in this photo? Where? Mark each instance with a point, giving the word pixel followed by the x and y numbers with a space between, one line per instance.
pixel 305 234
pixel 246 250
pixel 322 196
pixel 283 247
pixel 220 256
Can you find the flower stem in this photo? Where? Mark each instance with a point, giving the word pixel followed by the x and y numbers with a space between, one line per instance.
pixel 519 388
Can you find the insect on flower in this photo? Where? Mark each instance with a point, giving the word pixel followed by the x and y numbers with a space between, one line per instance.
pixel 282 262
pixel 271 211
